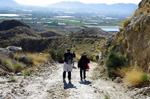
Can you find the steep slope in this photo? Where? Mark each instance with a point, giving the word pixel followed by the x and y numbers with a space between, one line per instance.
pixel 11 31
pixel 133 39
pixel 91 31
pixel 90 41
pixel 9 24
pixel 49 33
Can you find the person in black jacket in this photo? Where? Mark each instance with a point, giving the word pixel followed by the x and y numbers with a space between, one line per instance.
pixel 82 64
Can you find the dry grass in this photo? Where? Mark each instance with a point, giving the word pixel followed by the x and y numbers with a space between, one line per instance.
pixel 8 63
pixel 133 75
pixel 126 22
pixel 38 59
pixel 14 67
pixel 133 78
pixel 78 56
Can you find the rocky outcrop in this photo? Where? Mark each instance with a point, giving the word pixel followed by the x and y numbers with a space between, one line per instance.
pixel 133 40
pixel 91 31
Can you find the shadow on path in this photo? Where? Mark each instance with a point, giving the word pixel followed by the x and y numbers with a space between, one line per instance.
pixel 69 85
pixel 85 82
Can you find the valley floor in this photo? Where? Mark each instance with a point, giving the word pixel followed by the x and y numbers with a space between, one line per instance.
pixel 46 83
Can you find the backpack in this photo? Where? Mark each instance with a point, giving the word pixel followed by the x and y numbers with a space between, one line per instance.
pixel 69 59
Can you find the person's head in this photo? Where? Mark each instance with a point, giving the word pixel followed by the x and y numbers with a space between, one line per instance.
pixel 83 54
pixel 73 51
pixel 68 50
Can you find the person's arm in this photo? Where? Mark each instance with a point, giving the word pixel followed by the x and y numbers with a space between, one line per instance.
pixel 63 58
pixel 79 63
pixel 88 60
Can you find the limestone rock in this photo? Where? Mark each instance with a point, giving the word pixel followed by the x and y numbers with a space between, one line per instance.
pixel 25 59
pixel 118 80
pixel 14 48
pixel 133 39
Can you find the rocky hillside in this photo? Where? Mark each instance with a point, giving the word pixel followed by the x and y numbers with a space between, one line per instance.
pixel 49 33
pixel 11 31
pixel 91 31
pixel 17 33
pixel 133 39
pixel 9 24
pixel 88 39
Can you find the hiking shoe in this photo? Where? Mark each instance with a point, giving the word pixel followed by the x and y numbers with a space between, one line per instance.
pixel 69 81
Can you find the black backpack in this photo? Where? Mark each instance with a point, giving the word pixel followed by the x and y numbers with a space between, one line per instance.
pixel 69 59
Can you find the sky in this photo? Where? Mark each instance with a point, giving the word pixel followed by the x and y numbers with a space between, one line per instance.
pixel 47 2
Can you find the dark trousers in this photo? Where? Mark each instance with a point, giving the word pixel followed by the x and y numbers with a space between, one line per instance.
pixel 69 75
pixel 82 73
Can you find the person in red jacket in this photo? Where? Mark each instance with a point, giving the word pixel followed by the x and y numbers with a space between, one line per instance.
pixel 82 64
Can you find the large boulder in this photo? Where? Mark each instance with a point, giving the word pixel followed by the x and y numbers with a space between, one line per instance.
pixel 133 40
pixel 13 48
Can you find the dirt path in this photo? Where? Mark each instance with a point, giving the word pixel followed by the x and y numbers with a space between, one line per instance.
pixel 47 83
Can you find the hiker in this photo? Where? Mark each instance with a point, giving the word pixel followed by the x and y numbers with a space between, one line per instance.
pixel 97 58
pixel 74 55
pixel 67 58
pixel 82 64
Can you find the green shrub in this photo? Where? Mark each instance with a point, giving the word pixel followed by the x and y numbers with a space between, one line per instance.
pixel 9 64
pixel 114 61
pixel 11 78
pixel 126 22
pixel 91 57
pixel 26 73
pixel 56 54
pixel 18 67
pixel 144 77
pixel 60 54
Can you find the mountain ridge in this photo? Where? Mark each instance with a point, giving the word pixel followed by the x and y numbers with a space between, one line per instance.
pixel 8 3
pixel 103 8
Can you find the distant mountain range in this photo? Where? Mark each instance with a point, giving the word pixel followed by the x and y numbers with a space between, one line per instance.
pixel 8 3
pixel 100 8
pixel 120 8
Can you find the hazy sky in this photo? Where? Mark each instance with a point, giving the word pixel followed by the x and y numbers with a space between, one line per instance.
pixel 46 2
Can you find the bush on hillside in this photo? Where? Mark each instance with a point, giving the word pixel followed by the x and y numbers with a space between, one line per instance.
pixel 18 67
pixel 56 54
pixel 114 61
pixel 126 22
pixel 8 63
pixel 91 57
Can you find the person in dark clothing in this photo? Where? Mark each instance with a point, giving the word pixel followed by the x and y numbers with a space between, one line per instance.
pixel 67 58
pixel 82 64
pixel 74 55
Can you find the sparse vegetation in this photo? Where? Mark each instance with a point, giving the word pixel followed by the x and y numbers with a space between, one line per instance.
pixel 133 76
pixel 114 61
pixel 107 96
pixel 18 67
pixel 37 58
pixel 26 73
pixel 56 54
pixel 119 39
pixel 9 64
pixel 91 57
pixel 126 22
pixel 137 29
pixel 11 78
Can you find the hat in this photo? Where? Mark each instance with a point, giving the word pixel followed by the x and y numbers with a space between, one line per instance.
pixel 84 53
